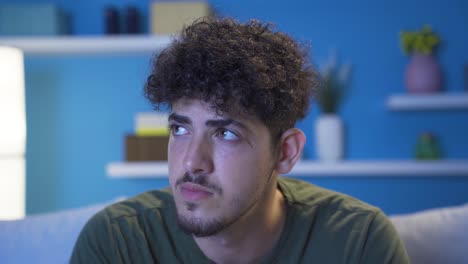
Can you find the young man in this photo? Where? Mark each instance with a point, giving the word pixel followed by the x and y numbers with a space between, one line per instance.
pixel 235 92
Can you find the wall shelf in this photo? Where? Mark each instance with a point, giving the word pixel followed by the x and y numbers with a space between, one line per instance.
pixel 88 44
pixel 317 169
pixel 446 101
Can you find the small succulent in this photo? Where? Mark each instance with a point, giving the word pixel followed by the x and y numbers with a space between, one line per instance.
pixel 427 147
pixel 424 41
pixel 332 89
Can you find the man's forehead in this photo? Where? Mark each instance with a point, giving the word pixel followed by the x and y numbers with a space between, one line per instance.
pixel 196 107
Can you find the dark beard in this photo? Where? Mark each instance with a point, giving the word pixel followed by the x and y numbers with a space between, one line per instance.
pixel 200 228
pixel 195 226
pixel 206 228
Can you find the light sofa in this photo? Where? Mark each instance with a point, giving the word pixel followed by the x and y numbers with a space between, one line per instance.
pixel 434 236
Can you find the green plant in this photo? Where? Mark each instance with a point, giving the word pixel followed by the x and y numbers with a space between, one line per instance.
pixel 424 41
pixel 332 89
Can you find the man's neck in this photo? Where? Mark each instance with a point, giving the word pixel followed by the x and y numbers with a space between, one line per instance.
pixel 251 237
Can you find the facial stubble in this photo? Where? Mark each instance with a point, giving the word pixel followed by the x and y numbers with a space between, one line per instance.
pixel 208 227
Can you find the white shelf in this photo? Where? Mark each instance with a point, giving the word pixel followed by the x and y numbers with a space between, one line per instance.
pixel 141 169
pixel 384 168
pixel 88 44
pixel 428 102
pixel 317 169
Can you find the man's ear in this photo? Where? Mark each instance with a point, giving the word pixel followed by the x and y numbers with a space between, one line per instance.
pixel 291 144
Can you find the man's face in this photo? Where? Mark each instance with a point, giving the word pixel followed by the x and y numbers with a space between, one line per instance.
pixel 219 166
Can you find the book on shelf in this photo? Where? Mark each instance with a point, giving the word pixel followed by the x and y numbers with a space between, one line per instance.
pixel 151 124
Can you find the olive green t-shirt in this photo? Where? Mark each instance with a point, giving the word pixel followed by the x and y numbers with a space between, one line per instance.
pixel 321 226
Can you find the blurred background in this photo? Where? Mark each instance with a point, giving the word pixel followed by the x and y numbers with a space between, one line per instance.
pixel 79 107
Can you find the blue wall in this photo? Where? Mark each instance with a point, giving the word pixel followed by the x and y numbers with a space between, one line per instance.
pixel 80 107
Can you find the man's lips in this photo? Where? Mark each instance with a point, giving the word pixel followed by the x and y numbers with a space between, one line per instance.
pixel 194 192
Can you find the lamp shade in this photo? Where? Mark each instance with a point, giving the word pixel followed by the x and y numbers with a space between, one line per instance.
pixel 12 134
pixel 12 103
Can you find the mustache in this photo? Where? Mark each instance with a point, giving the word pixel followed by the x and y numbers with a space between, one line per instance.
pixel 201 180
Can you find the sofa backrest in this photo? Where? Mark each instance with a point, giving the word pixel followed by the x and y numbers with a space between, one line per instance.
pixel 435 236
pixel 45 238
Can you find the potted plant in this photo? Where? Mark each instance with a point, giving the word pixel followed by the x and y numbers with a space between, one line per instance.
pixel 329 128
pixel 422 73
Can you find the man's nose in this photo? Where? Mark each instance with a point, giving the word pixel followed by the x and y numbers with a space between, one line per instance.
pixel 198 156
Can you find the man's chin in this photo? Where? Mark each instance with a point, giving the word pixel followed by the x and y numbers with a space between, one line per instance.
pixel 194 208
pixel 199 227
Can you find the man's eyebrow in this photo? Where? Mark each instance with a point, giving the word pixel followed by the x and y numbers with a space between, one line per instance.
pixel 179 119
pixel 225 122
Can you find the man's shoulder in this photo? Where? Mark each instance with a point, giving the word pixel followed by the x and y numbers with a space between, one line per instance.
pixel 155 200
pixel 338 227
pixel 308 196
pixel 110 234
pixel 129 215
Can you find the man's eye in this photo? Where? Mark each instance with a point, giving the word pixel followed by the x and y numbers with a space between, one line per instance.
pixel 178 130
pixel 227 134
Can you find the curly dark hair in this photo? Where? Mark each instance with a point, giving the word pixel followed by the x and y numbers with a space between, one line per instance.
pixel 233 65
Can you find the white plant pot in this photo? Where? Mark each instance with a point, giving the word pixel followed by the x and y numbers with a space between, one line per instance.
pixel 329 138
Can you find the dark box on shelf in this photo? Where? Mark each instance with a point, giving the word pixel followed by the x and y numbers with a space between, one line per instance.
pixel 146 148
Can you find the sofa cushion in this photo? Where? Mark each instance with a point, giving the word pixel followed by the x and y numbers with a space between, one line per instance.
pixel 43 238
pixel 431 236
pixel 435 236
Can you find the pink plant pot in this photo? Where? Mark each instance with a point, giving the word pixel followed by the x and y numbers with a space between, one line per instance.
pixel 423 74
